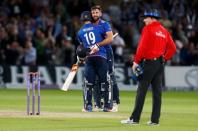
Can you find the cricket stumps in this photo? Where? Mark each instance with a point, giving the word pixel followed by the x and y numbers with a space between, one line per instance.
pixel 33 88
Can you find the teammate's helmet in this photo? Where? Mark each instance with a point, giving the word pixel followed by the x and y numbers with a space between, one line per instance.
pixel 85 16
pixel 82 52
pixel 152 13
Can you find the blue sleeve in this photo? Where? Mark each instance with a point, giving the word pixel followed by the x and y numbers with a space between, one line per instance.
pixel 107 27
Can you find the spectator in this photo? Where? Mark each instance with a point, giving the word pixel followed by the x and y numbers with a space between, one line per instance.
pixel 165 21
pixel 63 34
pixel 29 54
pixel 3 44
pixel 49 50
pixel 40 45
pixel 66 53
pixel 13 53
pixel 118 47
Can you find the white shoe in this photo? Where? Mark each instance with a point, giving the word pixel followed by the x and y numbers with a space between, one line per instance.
pixel 128 121
pixel 115 107
pixel 97 109
pixel 83 110
pixel 150 123
pixel 89 109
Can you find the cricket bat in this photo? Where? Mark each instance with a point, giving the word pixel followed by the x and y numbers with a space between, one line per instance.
pixel 115 35
pixel 73 72
pixel 70 76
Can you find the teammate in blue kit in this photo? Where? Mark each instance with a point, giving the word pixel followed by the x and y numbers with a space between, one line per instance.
pixel 96 12
pixel 96 62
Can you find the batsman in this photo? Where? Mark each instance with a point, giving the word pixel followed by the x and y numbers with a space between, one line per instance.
pixel 90 36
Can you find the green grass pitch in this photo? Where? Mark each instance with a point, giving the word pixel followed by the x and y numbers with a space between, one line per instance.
pixel 61 111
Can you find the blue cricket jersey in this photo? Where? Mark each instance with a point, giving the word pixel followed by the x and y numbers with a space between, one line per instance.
pixel 106 28
pixel 89 35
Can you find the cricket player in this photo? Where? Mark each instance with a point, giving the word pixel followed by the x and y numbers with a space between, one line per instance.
pixel 96 62
pixel 96 12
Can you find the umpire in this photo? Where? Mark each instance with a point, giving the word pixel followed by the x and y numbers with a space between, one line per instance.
pixel 155 47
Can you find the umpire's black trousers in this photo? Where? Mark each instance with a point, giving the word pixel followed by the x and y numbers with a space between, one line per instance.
pixel 152 75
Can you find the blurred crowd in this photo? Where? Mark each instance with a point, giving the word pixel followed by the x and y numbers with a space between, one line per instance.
pixel 43 32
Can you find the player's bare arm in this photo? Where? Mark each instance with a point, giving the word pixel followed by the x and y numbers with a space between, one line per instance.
pixel 107 40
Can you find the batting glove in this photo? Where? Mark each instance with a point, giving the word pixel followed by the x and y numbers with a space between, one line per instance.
pixel 81 60
pixel 94 48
